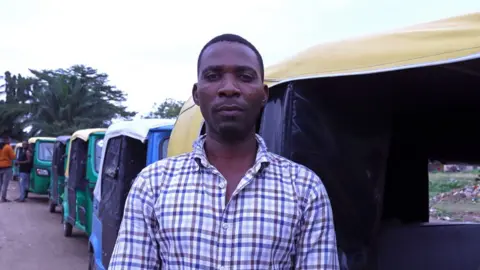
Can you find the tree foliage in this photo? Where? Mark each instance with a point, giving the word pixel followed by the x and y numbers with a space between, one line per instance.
pixel 169 108
pixel 59 102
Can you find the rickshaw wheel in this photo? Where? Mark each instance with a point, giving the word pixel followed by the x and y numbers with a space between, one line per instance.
pixel 51 206
pixel 91 264
pixel 67 229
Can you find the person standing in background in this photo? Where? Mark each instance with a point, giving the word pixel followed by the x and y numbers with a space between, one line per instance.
pixel 26 164
pixel 7 155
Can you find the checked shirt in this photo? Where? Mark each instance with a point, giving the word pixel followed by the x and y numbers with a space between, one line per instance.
pixel 176 217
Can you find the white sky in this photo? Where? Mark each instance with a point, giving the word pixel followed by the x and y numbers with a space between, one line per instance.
pixel 149 48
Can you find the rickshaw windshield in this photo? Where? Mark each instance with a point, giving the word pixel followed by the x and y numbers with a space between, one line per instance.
pixel 98 154
pixel 45 151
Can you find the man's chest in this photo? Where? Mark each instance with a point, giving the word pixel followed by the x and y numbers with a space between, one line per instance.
pixel 258 223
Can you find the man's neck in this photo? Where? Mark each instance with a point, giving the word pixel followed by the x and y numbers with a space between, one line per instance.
pixel 217 148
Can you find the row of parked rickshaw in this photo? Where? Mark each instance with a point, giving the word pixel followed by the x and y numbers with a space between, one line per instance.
pixel 88 174
pixel 366 115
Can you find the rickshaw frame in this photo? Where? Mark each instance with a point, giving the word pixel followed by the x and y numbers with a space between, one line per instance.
pixel 39 184
pixel 80 189
pixel 57 179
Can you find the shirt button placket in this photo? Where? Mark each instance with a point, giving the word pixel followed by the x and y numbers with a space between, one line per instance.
pixel 225 249
pixel 225 229
pixel 224 252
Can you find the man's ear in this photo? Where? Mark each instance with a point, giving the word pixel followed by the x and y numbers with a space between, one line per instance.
pixel 195 94
pixel 266 92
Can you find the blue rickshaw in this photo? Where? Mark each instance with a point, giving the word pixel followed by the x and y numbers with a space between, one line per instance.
pixel 129 146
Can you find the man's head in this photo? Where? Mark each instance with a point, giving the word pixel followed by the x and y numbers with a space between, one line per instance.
pixel 230 89
pixel 25 144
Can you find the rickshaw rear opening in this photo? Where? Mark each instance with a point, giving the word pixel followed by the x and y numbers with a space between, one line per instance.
pixel 369 137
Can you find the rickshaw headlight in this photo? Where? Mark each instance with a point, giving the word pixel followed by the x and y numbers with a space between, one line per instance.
pixel 42 172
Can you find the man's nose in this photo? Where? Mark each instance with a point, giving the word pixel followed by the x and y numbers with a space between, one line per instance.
pixel 229 87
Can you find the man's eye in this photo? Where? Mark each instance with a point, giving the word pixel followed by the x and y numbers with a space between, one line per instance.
pixel 246 77
pixel 212 76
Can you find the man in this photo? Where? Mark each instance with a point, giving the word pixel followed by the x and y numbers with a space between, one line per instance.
pixel 7 155
pixel 25 163
pixel 229 204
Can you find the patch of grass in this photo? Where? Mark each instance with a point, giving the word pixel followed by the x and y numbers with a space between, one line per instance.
pixel 461 206
pixel 445 182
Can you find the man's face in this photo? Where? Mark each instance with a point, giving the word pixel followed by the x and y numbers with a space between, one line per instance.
pixel 25 145
pixel 230 90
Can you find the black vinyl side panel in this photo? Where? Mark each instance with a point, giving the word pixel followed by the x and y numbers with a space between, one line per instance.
pixel 110 173
pixel 274 120
pixel 125 158
pixel 55 162
pixel 77 175
pixel 429 246
pixel 58 169
pixel 345 144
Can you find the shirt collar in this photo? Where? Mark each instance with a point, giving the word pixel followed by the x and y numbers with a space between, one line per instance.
pixel 262 160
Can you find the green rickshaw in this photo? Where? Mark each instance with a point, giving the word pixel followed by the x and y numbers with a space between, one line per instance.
pixel 57 179
pixel 83 161
pixel 42 162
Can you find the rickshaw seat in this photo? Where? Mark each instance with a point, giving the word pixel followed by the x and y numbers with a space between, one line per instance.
pixel 439 246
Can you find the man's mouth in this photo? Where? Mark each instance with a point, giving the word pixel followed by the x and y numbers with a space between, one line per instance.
pixel 230 108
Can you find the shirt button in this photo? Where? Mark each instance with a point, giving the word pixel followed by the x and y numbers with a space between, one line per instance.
pixel 221 185
pixel 225 226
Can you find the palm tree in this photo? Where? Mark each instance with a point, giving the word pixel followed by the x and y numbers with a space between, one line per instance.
pixel 16 91
pixel 58 102
pixel 66 101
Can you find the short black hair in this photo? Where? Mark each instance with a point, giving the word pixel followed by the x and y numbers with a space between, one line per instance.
pixel 232 38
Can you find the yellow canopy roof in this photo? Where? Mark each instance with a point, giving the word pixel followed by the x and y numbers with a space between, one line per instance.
pixel 35 139
pixel 425 44
pixel 186 129
pixel 428 43
pixel 83 134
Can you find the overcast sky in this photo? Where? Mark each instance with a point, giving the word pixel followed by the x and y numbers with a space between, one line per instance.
pixel 150 47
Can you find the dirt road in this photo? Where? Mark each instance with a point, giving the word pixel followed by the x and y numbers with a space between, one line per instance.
pixel 32 238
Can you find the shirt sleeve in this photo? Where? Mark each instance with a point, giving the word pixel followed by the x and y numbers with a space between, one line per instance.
pixel 316 240
pixel 136 247
pixel 11 153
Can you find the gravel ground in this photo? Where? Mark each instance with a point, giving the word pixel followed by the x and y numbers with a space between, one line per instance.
pixel 32 238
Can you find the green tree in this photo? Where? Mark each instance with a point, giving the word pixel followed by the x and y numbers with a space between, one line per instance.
pixel 57 102
pixel 170 108
pixel 14 108
pixel 66 100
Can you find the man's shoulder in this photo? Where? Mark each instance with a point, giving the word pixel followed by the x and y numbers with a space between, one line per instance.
pixel 167 166
pixel 300 173
pixel 306 182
